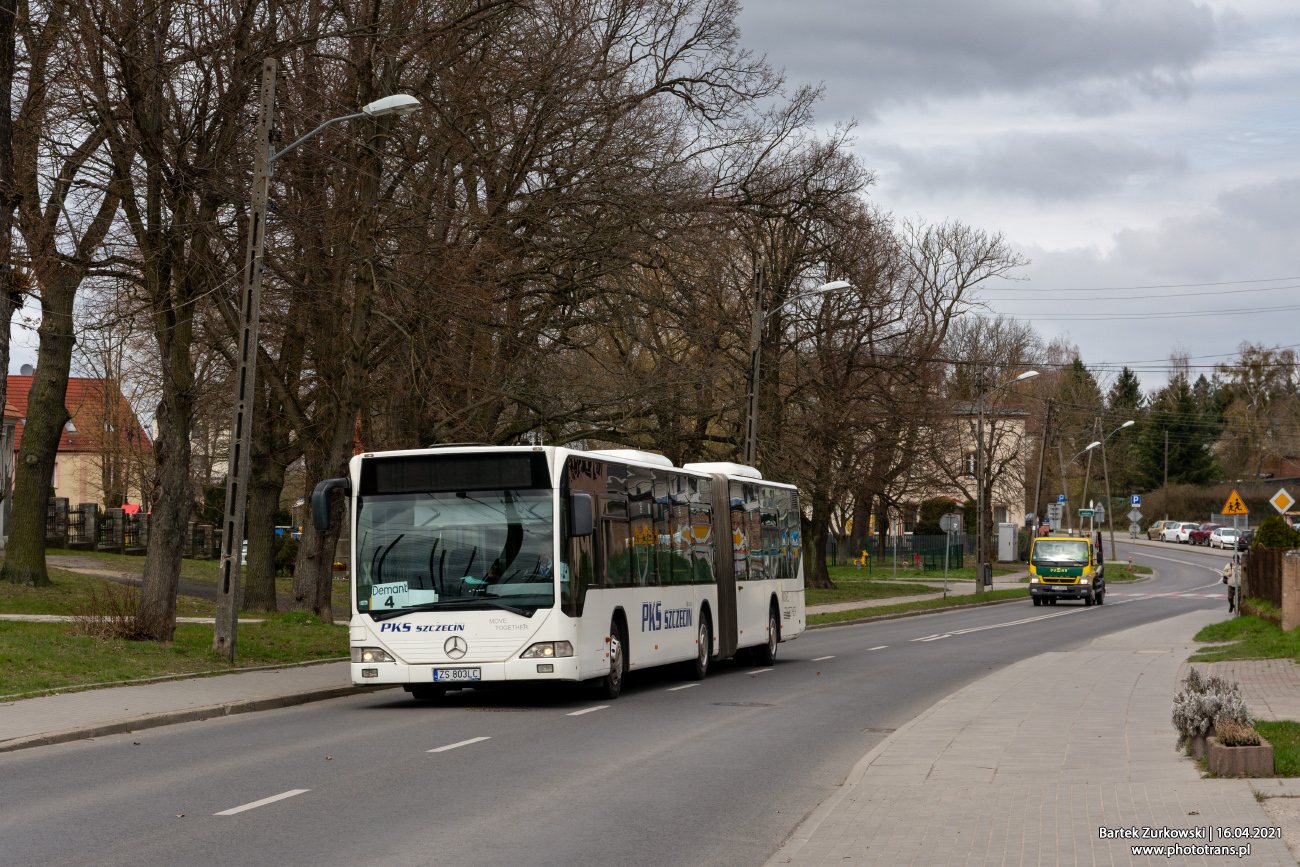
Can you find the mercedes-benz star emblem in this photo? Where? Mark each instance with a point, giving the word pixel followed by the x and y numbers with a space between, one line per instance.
pixel 456 647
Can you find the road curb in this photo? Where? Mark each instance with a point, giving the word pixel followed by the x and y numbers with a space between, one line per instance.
pixel 899 615
pixel 193 714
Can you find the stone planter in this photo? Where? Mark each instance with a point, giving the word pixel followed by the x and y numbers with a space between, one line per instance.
pixel 1239 761
pixel 1196 745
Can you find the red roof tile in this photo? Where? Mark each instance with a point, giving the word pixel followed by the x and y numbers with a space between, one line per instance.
pixel 89 406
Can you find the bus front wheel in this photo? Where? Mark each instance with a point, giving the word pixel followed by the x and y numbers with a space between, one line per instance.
pixel 421 692
pixel 611 685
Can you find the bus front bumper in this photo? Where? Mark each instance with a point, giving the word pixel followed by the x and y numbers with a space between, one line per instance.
pixel 512 671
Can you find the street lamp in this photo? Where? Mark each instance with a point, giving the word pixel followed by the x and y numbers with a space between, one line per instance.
pixel 980 467
pixel 755 338
pixel 237 458
pixel 1065 465
pixel 1110 511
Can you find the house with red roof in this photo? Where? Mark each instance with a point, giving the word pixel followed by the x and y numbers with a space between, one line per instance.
pixel 105 455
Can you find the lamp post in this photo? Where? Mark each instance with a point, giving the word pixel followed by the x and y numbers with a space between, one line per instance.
pixel 1065 490
pixel 237 457
pixel 1110 512
pixel 755 353
pixel 981 465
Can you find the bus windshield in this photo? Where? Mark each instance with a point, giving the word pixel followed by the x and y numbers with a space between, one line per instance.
pixel 452 550
pixel 1054 552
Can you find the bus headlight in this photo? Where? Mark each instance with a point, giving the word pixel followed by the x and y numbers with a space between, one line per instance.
pixel 370 654
pixel 548 650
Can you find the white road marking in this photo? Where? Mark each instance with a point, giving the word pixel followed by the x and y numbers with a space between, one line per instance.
pixel 262 803
pixel 881 647
pixel 761 671
pixel 591 709
pixel 683 686
pixel 820 658
pixel 458 744
pixel 935 637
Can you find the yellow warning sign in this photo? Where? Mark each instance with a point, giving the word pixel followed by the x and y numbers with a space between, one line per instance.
pixel 1234 506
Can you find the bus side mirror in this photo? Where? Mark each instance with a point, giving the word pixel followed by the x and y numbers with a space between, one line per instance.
pixel 580 514
pixel 320 501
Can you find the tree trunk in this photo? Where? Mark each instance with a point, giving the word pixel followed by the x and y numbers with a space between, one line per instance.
pixel 172 505
pixel 46 416
pixel 265 484
pixel 10 298
pixel 819 528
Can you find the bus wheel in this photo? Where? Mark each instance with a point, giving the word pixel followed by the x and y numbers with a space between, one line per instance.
pixel 700 667
pixel 765 654
pixel 611 685
pixel 421 692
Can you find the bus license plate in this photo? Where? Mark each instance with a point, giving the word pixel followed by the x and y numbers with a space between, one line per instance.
pixel 446 674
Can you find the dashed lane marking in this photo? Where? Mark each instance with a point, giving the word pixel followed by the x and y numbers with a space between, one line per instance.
pixel 588 710
pixel 820 658
pixel 878 647
pixel 759 671
pixel 683 686
pixel 458 744
pixel 262 803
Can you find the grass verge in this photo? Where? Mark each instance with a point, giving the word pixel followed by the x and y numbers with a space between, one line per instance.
pixel 36 656
pixel 1126 571
pixel 853 590
pixel 1284 735
pixel 881 572
pixel 69 592
pixel 924 605
pixel 1251 637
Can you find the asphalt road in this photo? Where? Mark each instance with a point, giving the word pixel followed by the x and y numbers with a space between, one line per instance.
pixel 717 773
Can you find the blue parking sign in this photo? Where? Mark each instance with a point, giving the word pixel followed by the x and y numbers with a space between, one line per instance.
pixel 1136 500
pixel 1060 498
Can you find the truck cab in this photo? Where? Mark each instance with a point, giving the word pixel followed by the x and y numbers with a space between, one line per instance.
pixel 1066 567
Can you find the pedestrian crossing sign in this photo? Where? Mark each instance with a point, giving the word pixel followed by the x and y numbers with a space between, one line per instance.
pixel 1235 506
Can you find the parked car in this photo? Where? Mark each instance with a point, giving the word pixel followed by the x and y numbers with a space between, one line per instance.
pixel 1178 531
pixel 1201 535
pixel 1245 539
pixel 1224 537
pixel 1156 528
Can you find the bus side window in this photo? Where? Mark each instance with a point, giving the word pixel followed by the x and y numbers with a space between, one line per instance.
pixel 702 532
pixel 618 565
pixel 783 528
pixel 642 544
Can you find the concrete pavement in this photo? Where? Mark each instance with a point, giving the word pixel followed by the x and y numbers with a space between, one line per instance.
pixel 93 713
pixel 1026 765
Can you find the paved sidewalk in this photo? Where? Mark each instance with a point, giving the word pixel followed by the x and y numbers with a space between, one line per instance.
pixel 1271 687
pixel 66 618
pixel 145 705
pixel 1024 766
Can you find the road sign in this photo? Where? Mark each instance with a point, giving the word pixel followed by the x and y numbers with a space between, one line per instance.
pixel 1100 514
pixel 1060 498
pixel 1135 500
pixel 1085 513
pixel 1282 501
pixel 1234 506
pixel 1135 516
pixel 951 523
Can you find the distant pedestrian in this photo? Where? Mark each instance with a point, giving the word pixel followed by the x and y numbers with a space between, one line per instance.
pixel 1230 578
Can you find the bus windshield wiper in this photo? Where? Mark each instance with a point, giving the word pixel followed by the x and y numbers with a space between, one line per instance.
pixel 379 616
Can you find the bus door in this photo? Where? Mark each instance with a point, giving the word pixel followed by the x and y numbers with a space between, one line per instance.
pixel 724 566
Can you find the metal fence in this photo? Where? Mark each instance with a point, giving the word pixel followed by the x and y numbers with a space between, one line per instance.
pixel 911 551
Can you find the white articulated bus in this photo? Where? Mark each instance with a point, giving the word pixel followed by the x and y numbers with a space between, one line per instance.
pixel 475 564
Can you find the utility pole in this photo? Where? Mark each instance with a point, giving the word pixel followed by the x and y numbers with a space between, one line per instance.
pixel 755 354
pixel 979 481
pixel 1042 453
pixel 1110 517
pixel 1087 475
pixel 237 458
pixel 1065 490
pixel 1165 491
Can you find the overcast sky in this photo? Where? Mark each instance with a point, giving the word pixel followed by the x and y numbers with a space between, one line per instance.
pixel 1118 144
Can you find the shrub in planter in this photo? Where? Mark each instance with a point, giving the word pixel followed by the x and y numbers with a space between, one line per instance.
pixel 1202 701
pixel 1237 750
